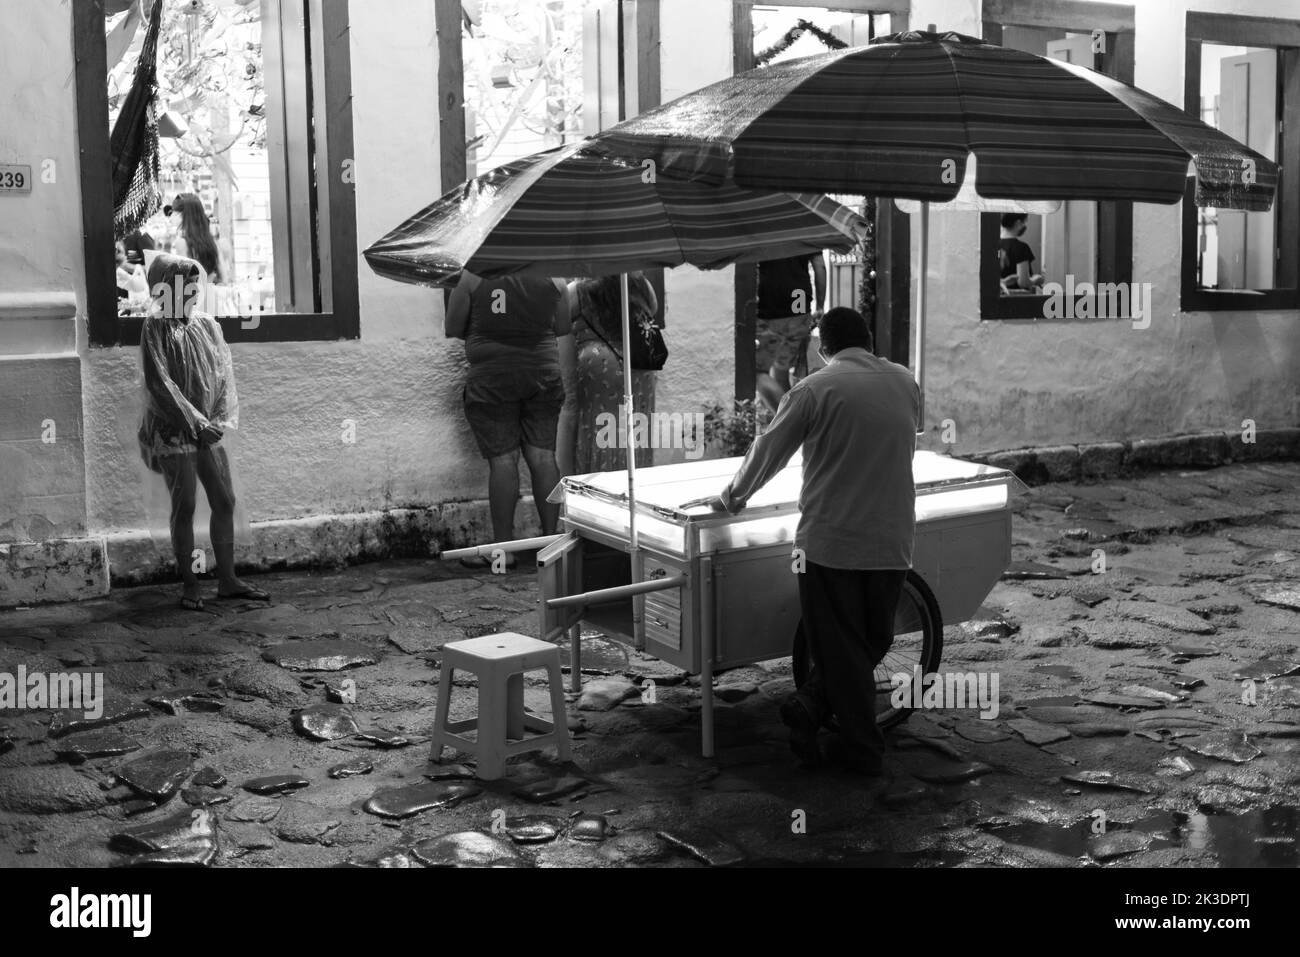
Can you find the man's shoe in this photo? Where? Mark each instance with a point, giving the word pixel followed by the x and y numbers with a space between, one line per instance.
pixel 872 767
pixel 803 731
pixel 855 760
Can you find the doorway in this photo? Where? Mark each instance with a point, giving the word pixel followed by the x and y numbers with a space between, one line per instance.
pixel 873 278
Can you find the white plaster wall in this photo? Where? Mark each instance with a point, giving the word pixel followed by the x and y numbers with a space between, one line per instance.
pixel 1013 384
pixel 399 382
pixel 960 15
pixel 42 484
pixel 40 232
pixel 696 49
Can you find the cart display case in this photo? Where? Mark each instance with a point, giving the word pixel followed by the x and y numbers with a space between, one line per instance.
pixel 719 590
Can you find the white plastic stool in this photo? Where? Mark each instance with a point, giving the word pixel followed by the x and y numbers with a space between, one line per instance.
pixel 500 661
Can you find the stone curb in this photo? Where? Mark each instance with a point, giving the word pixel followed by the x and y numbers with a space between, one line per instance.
pixel 78 569
pixel 1102 460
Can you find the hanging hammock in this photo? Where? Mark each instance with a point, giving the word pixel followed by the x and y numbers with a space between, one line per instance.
pixel 137 193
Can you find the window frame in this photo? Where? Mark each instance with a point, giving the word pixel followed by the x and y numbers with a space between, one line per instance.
pixel 335 258
pixel 1283 36
pixel 1114 219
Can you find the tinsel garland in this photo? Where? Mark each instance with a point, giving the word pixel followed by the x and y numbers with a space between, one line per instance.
pixel 867 287
pixel 794 33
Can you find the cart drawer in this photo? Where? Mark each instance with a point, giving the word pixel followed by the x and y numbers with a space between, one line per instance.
pixel 668 632
pixel 663 618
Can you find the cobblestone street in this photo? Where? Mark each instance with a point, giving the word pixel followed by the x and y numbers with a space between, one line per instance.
pixel 1125 734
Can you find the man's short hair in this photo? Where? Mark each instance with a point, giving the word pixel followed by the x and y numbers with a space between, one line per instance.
pixel 1010 219
pixel 843 328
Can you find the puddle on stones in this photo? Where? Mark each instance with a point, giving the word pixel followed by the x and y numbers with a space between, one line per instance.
pixel 1051 701
pixel 1269 837
pixel 1265 838
pixel 1058 671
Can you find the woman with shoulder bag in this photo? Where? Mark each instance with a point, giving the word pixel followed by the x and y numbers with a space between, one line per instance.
pixel 598 336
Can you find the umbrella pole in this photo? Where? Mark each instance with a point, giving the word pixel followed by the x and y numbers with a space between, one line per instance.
pixel 919 349
pixel 638 601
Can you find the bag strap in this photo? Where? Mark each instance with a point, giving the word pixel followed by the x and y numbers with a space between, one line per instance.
pixel 595 327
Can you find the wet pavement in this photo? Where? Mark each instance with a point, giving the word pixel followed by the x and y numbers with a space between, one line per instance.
pixel 1149 716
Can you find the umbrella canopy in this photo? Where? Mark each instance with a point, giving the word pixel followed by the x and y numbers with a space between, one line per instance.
pixel 568 212
pixel 900 117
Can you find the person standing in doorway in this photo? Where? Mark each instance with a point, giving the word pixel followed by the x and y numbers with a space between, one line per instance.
pixel 856 421
pixel 515 391
pixel 791 293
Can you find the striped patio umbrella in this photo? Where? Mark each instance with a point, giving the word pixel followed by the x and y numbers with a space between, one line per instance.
pixel 902 116
pixel 568 212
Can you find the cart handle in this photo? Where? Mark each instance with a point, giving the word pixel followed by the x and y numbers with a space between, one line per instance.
pixel 603 595
pixel 518 545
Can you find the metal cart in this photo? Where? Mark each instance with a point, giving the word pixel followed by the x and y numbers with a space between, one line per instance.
pixel 719 590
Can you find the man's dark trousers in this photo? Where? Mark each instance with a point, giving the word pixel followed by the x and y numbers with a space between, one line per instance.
pixel 848 622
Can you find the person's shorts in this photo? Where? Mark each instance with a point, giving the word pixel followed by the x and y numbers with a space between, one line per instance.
pixel 780 342
pixel 509 409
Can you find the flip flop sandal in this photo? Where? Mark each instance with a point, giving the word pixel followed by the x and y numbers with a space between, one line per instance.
pixel 482 562
pixel 248 594
pixel 192 604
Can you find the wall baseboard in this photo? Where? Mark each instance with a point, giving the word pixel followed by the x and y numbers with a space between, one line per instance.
pixel 78 569
pixel 55 570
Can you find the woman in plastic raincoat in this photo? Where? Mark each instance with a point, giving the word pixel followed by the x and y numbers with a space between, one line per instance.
pixel 189 402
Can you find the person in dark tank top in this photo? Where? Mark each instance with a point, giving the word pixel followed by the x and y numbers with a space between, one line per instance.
pixel 1015 257
pixel 514 391
pixel 512 325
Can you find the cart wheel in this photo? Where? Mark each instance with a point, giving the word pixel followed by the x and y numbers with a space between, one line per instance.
pixel 918 639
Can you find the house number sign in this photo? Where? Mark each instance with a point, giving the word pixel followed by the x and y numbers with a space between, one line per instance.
pixel 15 179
